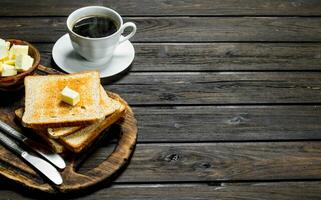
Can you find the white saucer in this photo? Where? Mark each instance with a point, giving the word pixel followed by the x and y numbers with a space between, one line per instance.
pixel 69 61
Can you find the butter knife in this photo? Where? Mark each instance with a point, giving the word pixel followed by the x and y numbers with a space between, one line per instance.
pixel 41 165
pixel 42 150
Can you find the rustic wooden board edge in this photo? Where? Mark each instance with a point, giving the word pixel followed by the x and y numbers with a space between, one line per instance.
pixel 107 169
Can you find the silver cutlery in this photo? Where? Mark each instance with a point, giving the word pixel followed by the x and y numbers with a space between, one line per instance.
pixel 42 150
pixel 41 165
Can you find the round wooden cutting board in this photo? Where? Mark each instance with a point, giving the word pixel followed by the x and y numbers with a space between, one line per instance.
pixel 15 169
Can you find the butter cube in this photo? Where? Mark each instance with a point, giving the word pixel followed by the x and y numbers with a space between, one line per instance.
pixel 11 54
pixel 7 45
pixel 2 42
pixel 3 54
pixel 20 49
pixel 5 57
pixel 3 49
pixel 9 72
pixel 6 66
pixel 23 62
pixel 9 62
pixel 70 96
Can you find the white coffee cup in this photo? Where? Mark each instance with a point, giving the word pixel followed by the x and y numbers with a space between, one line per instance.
pixel 98 49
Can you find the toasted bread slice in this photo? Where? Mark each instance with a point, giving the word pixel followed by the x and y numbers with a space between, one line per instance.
pixel 80 139
pixel 108 106
pixel 43 105
pixel 108 103
pixel 55 145
pixel 55 133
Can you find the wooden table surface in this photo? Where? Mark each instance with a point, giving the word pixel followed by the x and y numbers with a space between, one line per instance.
pixel 227 95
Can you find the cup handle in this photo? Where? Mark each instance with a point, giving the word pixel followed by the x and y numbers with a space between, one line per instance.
pixel 131 34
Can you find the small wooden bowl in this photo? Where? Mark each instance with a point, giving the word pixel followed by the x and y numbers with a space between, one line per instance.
pixel 14 83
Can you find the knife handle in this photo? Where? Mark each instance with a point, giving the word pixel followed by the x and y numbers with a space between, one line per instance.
pixel 43 151
pixel 10 144
pixel 41 165
pixel 8 129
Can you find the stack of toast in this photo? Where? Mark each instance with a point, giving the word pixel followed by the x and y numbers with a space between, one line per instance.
pixel 63 126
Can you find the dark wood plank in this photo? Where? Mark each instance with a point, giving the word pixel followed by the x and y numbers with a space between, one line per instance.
pixel 226 191
pixel 164 7
pixel 219 162
pixel 217 56
pixel 180 29
pixel 219 88
pixel 228 123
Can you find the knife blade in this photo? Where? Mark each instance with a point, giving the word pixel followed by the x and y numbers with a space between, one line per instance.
pixel 41 165
pixel 42 150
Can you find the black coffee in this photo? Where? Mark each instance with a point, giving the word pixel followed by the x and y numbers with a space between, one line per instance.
pixel 95 27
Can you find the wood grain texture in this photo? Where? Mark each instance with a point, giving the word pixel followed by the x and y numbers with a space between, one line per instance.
pixel 219 88
pixel 164 7
pixel 228 123
pixel 224 123
pixel 220 162
pixel 189 147
pixel 225 191
pixel 180 29
pixel 13 168
pixel 217 56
